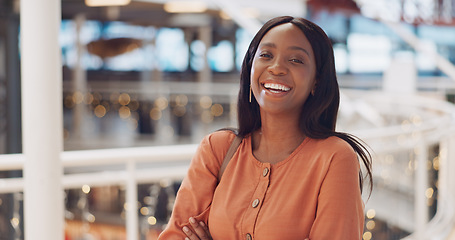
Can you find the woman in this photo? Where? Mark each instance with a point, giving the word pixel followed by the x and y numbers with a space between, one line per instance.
pixel 293 176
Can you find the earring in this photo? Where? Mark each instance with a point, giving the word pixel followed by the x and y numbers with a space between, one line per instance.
pixel 250 93
pixel 314 89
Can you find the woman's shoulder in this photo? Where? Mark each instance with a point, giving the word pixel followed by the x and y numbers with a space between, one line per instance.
pixel 221 136
pixel 219 141
pixel 336 151
pixel 334 144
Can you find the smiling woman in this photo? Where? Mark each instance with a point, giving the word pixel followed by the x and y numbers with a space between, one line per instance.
pixel 292 175
pixel 284 60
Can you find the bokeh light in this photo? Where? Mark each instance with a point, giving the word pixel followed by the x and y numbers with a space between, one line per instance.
pixel 371 213
pixel 205 102
pixel 216 110
pixel 100 111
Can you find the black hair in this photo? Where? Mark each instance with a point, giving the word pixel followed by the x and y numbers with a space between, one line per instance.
pixel 318 120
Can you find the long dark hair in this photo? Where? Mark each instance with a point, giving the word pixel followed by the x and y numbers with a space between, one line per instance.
pixel 318 120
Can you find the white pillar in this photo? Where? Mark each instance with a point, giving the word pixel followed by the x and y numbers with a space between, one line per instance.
pixel 444 173
pixel 205 35
pixel 42 119
pixel 79 81
pixel 132 222
pixel 421 185
pixel 450 157
pixel 401 76
pixel 204 77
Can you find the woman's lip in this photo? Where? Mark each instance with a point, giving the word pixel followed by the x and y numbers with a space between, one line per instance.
pixel 274 81
pixel 275 93
pixel 276 87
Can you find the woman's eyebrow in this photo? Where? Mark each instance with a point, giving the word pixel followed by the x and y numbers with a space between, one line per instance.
pixel 273 45
pixel 300 49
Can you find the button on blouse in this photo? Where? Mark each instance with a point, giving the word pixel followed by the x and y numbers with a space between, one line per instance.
pixel 255 203
pixel 248 236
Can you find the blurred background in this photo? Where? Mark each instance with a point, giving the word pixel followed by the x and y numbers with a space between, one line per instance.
pixel 144 80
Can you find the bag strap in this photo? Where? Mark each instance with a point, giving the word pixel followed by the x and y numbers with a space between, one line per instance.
pixel 232 149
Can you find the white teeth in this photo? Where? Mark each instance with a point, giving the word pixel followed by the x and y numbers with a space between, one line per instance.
pixel 276 86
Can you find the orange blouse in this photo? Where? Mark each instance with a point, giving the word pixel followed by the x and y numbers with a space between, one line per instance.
pixel 314 193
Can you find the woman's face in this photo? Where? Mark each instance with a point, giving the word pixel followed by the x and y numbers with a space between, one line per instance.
pixel 283 70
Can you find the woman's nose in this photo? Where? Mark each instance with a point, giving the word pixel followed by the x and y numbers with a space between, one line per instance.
pixel 277 68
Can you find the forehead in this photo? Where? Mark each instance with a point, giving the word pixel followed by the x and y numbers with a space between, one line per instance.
pixel 287 34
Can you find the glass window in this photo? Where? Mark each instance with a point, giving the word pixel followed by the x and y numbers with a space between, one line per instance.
pixel 221 57
pixel 335 25
pixel 243 39
pixel 341 58
pixel 368 53
pixel 172 50
pixel 443 35
pixel 197 60
pixel 91 30
pixel 424 61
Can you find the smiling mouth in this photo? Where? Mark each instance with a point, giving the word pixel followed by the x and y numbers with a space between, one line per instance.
pixel 276 88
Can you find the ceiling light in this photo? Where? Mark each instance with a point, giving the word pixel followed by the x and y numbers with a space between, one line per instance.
pixel 185 6
pixel 251 12
pixel 104 3
pixel 224 15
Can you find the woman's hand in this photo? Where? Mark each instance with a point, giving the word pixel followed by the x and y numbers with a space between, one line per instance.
pixel 201 231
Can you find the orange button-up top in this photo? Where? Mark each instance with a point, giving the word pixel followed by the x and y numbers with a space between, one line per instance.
pixel 314 193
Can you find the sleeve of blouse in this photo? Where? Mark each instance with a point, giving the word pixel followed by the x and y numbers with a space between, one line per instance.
pixel 194 196
pixel 340 210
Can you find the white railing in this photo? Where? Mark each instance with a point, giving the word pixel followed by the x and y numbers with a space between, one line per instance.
pixel 434 126
pixel 163 158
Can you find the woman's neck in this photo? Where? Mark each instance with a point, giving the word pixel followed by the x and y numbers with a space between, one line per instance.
pixel 277 138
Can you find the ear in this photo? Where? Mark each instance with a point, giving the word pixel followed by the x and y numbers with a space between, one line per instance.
pixel 314 87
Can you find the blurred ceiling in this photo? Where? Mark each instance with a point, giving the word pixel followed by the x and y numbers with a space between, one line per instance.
pixel 136 12
pixel 438 12
pixel 151 12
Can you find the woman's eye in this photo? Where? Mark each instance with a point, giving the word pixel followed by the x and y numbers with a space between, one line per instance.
pixel 265 55
pixel 295 60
